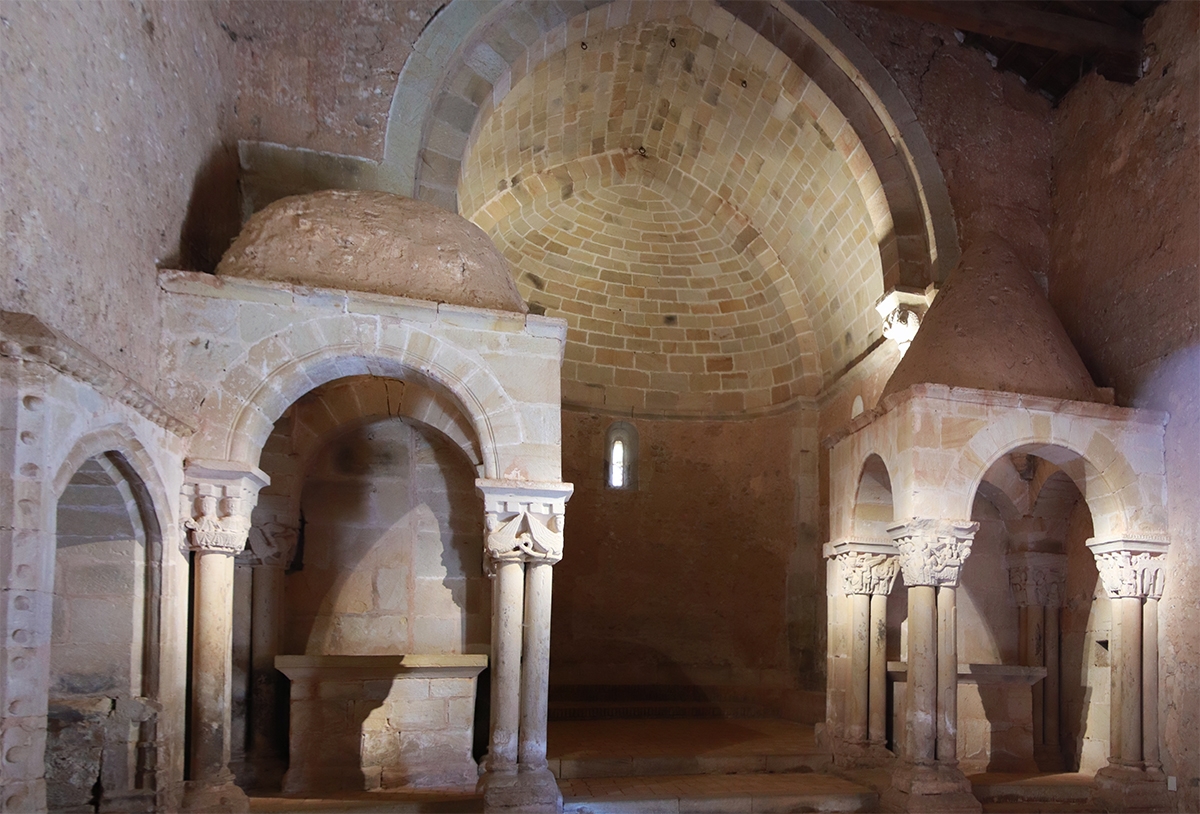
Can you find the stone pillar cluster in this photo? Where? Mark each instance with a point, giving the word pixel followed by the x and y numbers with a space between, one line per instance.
pixel 218 497
pixel 1038 581
pixel 932 552
pixel 524 523
pixel 1133 577
pixel 868 573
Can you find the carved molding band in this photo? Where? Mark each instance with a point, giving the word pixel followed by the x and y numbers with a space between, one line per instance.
pixel 217 503
pixel 525 520
pixel 867 573
pixel 932 551
pixel 23 336
pixel 1131 567
pixel 1038 578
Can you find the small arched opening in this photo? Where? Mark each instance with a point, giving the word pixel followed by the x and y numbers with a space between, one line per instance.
pixel 101 721
pixel 1042 630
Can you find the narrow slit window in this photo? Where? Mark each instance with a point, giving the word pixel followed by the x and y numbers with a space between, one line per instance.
pixel 620 459
pixel 616 469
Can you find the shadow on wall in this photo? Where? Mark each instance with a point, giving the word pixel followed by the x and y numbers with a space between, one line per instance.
pixel 392 560
pixel 214 213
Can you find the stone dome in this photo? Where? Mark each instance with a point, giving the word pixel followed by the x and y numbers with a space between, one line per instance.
pixel 377 242
pixel 991 328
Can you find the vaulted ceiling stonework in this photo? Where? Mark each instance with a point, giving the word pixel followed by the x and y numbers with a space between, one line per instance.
pixel 690 202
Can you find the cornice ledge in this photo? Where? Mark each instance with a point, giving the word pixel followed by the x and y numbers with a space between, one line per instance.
pixel 28 339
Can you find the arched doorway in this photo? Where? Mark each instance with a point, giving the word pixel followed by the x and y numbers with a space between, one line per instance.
pixel 101 722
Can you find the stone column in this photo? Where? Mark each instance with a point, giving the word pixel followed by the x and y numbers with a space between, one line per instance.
pixel 525 523
pixel 273 545
pixel 1132 573
pixel 932 553
pixel 868 572
pixel 218 497
pixel 1038 582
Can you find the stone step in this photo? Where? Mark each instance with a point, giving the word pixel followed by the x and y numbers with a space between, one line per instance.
pixel 729 794
pixel 1065 789
pixel 595 711
pixel 655 766
pixel 653 748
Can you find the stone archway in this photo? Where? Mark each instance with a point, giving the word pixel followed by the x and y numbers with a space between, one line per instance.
pixel 499 369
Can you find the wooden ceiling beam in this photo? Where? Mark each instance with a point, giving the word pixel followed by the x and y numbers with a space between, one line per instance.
pixel 1018 22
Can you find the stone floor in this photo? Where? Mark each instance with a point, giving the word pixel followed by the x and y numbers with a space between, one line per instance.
pixel 714 766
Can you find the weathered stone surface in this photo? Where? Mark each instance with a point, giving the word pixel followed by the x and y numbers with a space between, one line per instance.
pixel 991 328
pixel 376 242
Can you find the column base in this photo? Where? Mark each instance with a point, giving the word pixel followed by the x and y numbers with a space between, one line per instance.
pixel 1130 788
pixel 929 788
pixel 861 755
pixel 535 792
pixel 206 796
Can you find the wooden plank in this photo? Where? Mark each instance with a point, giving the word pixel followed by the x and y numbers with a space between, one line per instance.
pixel 1018 22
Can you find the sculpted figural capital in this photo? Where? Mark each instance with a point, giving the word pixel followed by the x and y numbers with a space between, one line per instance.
pixel 932 551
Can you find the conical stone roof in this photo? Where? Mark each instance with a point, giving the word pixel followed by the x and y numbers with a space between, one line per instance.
pixel 991 328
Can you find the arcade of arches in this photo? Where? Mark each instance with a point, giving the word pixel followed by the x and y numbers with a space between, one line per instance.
pixel 389 389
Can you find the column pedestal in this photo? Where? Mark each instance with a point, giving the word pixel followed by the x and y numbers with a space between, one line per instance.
pixel 218 498
pixel 524 540
pixel 1132 573
pixel 928 779
pixel 868 572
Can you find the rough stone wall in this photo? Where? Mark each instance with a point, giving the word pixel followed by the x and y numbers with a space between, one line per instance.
pixel 687 580
pixel 1124 280
pixel 319 75
pixel 111 120
pixel 991 136
pixel 391 554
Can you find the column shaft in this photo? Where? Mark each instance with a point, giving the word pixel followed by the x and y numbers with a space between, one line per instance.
pixel 535 668
pixel 1034 654
pixel 212 656
pixel 266 613
pixel 1050 705
pixel 922 674
pixel 1128 612
pixel 877 695
pixel 1150 684
pixel 947 675
pixel 507 611
pixel 860 654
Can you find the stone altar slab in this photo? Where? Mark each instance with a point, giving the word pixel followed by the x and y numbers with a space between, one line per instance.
pixel 371 722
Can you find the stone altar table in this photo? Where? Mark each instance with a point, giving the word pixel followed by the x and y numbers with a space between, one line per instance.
pixel 370 722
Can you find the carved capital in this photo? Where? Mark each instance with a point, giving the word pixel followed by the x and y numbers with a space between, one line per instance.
pixel 1131 567
pixel 902 311
pixel 273 544
pixel 932 551
pixel 217 501
pixel 1038 578
pixel 865 572
pixel 525 520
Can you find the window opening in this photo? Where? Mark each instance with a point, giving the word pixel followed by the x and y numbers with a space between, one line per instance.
pixel 620 459
pixel 616 469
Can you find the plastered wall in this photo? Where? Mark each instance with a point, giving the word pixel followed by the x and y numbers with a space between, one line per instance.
pixel 1124 280
pixel 708 573
pixel 112 120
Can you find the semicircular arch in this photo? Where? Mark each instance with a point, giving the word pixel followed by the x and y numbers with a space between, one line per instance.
pixel 242 408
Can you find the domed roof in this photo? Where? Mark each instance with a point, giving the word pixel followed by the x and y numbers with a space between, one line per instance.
pixel 991 328
pixel 377 242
